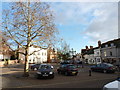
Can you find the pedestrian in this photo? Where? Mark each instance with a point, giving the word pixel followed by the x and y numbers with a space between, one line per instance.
pixel 82 64
pixel 90 72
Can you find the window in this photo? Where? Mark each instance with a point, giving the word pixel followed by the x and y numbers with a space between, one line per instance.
pixel 97 53
pixel 45 54
pixel 98 59
pixel 105 53
pixel 110 53
pixel 112 44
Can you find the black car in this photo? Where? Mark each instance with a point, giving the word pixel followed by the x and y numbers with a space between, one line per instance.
pixel 68 69
pixel 45 70
pixel 34 66
pixel 104 67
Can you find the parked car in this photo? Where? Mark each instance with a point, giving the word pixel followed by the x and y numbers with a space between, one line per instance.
pixel 78 63
pixel 34 66
pixel 45 70
pixel 68 69
pixel 104 67
pixel 115 85
pixel 66 62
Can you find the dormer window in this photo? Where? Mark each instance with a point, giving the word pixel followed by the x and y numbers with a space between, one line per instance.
pixel 106 45
pixel 112 44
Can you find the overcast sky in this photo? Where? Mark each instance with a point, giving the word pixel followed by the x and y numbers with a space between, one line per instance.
pixel 83 23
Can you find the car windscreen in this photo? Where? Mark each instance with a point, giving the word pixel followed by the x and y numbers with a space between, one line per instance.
pixel 110 65
pixel 45 67
pixel 71 66
pixel 118 79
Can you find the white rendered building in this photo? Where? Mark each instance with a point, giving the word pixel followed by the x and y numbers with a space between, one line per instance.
pixel 39 55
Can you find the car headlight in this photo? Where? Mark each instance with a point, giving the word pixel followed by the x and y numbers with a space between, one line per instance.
pixel 51 73
pixel 38 72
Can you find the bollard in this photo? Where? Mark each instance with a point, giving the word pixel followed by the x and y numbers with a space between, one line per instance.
pixel 90 72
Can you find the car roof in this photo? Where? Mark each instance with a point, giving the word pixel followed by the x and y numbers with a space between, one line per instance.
pixel 68 64
pixel 106 63
pixel 46 64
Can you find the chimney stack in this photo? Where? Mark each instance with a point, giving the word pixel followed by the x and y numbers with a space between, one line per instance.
pixel 87 48
pixel 99 43
pixel 91 47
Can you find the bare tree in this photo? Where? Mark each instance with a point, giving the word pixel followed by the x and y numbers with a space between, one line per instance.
pixel 64 51
pixel 28 24
pixel 4 46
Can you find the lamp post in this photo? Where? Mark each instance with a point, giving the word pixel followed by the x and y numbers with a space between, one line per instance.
pixel 72 52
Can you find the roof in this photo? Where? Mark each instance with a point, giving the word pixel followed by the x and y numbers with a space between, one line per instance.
pixel 115 41
pixel 96 47
pixel 89 51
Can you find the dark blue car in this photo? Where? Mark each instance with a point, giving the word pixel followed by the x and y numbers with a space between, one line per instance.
pixel 104 67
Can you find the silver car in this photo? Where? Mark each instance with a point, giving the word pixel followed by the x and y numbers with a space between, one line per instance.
pixel 115 85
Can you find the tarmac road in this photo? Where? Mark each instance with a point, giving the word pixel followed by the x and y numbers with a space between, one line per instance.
pixel 11 78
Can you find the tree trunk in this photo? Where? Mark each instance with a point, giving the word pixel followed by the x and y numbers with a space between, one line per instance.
pixel 26 67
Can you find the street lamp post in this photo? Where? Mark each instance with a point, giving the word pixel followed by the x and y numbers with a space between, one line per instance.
pixel 72 52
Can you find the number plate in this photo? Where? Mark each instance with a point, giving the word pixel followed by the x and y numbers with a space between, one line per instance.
pixel 45 75
pixel 73 72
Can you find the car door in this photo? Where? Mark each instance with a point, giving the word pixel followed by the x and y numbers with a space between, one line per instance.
pixel 102 67
pixel 98 67
pixel 62 68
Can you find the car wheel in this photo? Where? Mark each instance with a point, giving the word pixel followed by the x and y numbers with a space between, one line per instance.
pixel 37 76
pixel 76 74
pixel 92 70
pixel 113 72
pixel 52 77
pixel 58 72
pixel 104 71
pixel 66 74
pixel 35 69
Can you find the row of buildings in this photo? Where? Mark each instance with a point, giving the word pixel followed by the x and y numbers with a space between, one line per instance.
pixel 105 52
pixel 40 55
